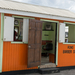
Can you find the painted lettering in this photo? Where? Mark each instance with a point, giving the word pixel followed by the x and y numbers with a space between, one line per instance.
pixel 67 51
pixel 73 51
pixel 70 47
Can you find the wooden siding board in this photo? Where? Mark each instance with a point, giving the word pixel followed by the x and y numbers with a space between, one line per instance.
pixel 15 57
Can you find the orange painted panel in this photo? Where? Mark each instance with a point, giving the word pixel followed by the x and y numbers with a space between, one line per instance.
pixel 65 59
pixel 15 57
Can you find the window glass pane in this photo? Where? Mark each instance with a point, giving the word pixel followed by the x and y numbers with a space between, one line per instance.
pixel 69 33
pixel 66 33
pixel 18 29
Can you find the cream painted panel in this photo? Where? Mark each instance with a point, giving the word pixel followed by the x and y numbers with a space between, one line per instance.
pixel 25 30
pixel 62 33
pixel 8 28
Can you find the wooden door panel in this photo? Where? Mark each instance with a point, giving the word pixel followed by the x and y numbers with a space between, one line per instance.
pixel 38 26
pixel 37 46
pixel 31 40
pixel 38 41
pixel 33 64
pixel 34 43
pixel 32 24
pixel 37 52
pixel 32 46
pixel 31 51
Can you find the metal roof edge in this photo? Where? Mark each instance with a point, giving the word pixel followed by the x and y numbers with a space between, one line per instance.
pixel 37 13
pixel 35 5
pixel 33 14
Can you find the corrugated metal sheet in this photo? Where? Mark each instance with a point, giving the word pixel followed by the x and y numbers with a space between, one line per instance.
pixel 11 5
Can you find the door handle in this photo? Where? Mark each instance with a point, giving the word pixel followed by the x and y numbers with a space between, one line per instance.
pixel 29 46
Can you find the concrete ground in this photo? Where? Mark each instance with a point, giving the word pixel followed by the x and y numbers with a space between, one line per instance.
pixel 65 72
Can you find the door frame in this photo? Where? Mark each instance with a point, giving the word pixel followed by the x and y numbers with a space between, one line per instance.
pixel 55 44
pixel 56 54
pixel 1 40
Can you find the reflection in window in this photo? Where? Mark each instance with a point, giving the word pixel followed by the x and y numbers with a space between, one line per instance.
pixel 66 33
pixel 18 29
pixel 70 33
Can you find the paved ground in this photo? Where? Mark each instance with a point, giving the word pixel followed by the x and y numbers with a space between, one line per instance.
pixel 65 72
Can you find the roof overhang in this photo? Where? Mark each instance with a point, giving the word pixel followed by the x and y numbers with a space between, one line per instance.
pixel 35 15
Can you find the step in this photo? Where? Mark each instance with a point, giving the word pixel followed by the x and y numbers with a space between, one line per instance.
pixel 48 65
pixel 49 70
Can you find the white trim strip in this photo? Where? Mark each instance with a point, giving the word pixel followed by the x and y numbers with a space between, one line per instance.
pixel 35 14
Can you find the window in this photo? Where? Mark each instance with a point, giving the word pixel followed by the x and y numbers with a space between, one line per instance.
pixel 70 33
pixel 18 29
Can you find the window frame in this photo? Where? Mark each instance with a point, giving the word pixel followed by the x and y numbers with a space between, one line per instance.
pixel 18 26
pixel 18 42
pixel 72 24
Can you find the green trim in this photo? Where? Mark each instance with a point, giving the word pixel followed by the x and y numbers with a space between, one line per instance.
pixel 38 66
pixel 19 42
pixel 69 23
pixel 68 43
pixel 49 20
pixel 23 17
pixel 57 37
pixel 72 24
pixel 1 41
pixel 26 42
pixel 16 25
